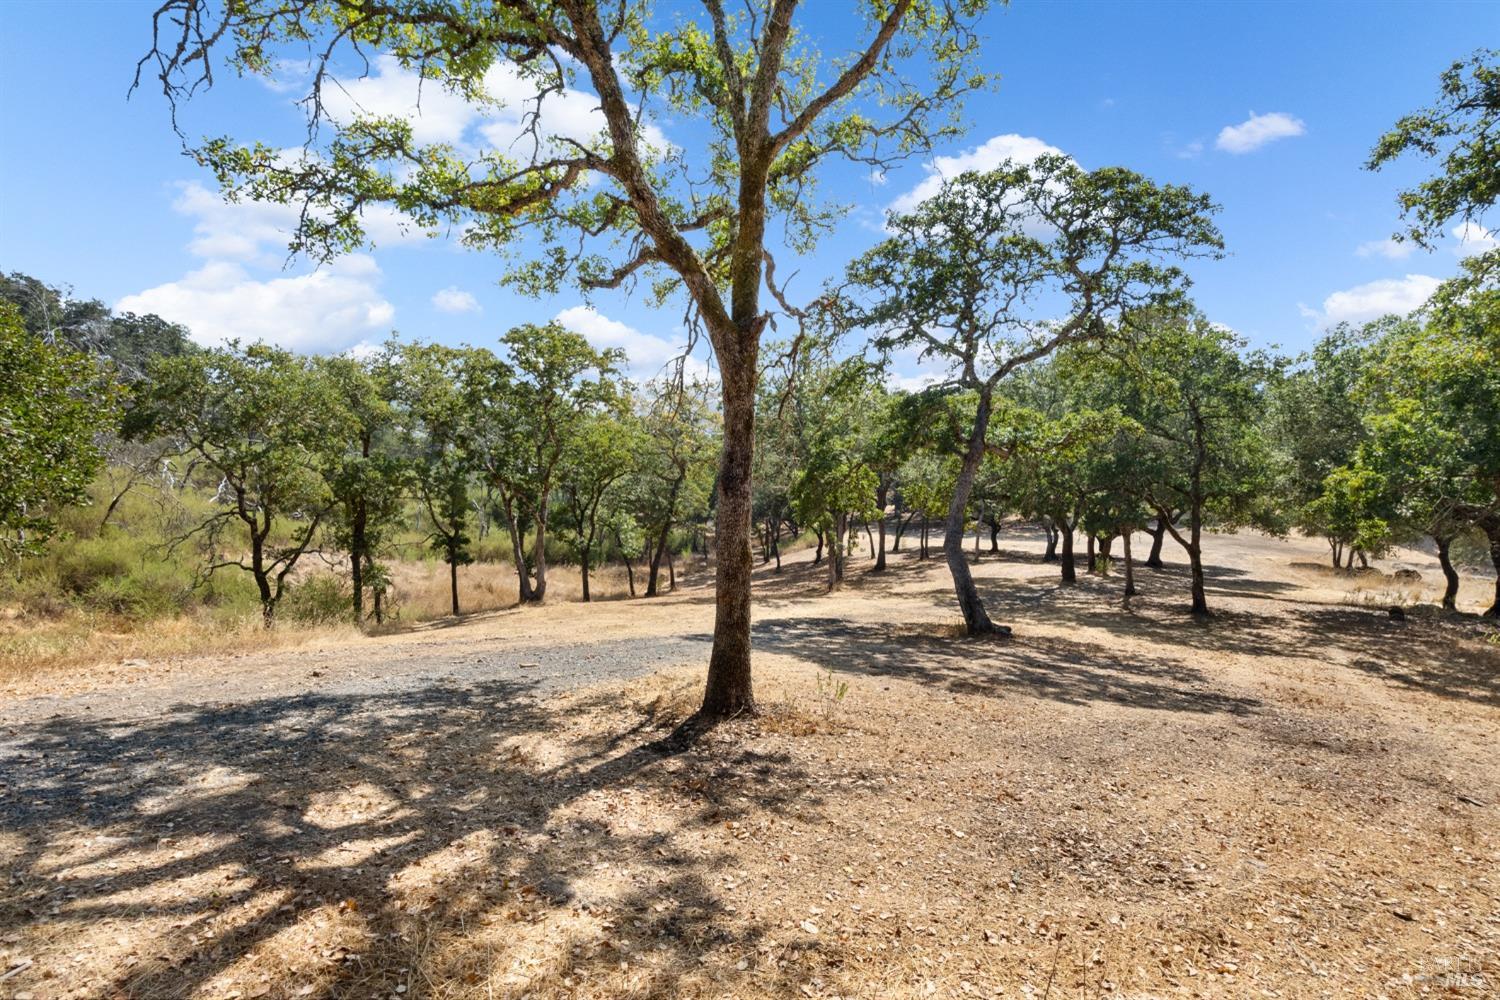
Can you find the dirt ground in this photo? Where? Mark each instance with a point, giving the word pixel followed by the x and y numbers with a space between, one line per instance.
pixel 1299 798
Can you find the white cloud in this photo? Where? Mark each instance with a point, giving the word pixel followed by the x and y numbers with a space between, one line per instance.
pixel 647 352
pixel 258 232
pixel 1257 130
pixel 1387 248
pixel 454 300
pixel 910 383
pixel 329 309
pixel 995 151
pixel 363 351
pixel 1189 151
pixel 441 116
pixel 1473 239
pixel 1389 296
pixel 435 114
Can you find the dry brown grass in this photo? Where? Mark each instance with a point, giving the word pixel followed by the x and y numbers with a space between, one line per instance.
pixel 421 588
pixel 98 643
pixel 1297 800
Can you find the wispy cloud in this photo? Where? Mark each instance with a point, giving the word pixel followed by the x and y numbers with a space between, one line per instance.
pixel 1362 303
pixel 1388 248
pixel 454 300
pixel 1258 130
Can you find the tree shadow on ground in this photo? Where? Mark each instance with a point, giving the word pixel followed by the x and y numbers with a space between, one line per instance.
pixel 226 832
pixel 1453 656
pixel 1443 655
pixel 1062 670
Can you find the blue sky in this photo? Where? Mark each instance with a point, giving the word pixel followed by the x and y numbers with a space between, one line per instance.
pixel 1270 108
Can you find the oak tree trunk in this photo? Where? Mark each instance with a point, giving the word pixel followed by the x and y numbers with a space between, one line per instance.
pixel 1450 574
pixel 1065 533
pixel 976 619
pixel 728 691
pixel 1158 534
pixel 1195 561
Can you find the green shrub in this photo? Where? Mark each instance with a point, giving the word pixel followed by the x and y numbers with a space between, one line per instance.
pixel 320 599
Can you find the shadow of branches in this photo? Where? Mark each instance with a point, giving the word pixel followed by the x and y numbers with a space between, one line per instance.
pixel 1062 670
pixel 396 823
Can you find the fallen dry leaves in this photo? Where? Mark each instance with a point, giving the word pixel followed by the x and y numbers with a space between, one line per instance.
pixel 1108 805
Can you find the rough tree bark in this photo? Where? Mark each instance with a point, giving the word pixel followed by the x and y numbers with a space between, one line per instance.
pixel 625 556
pixel 1065 533
pixel 976 619
pixel 1450 574
pixel 1129 563
pixel 1158 535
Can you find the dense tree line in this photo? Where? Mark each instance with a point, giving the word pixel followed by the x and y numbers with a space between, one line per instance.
pixel 1080 389
pixel 1157 420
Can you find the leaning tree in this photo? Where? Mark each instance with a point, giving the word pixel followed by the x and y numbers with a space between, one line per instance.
pixel 765 113
pixel 999 269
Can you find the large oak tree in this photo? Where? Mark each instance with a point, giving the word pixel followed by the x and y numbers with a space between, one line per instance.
pixel 766 111
pixel 1000 269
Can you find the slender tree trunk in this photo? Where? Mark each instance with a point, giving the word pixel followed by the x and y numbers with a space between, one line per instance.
pixel 880 498
pixel 1195 560
pixel 109 511
pixel 1450 575
pixel 901 525
pixel 584 567
pixel 671 572
pixel 870 538
pixel 1065 535
pixel 818 555
pixel 729 690
pixel 262 578
pixel 357 543
pixel 379 601
pixel 976 619
pixel 625 556
pixel 776 543
pixel 357 581
pixel 518 555
pixel 1093 559
pixel 1051 554
pixel 1364 560
pixel 978 526
pixel 453 580
pixel 1493 530
pixel 657 552
pixel 1129 563
pixel 923 553
pixel 1106 545
pixel 539 561
pixel 1158 534
pixel 837 547
pixel 994 534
